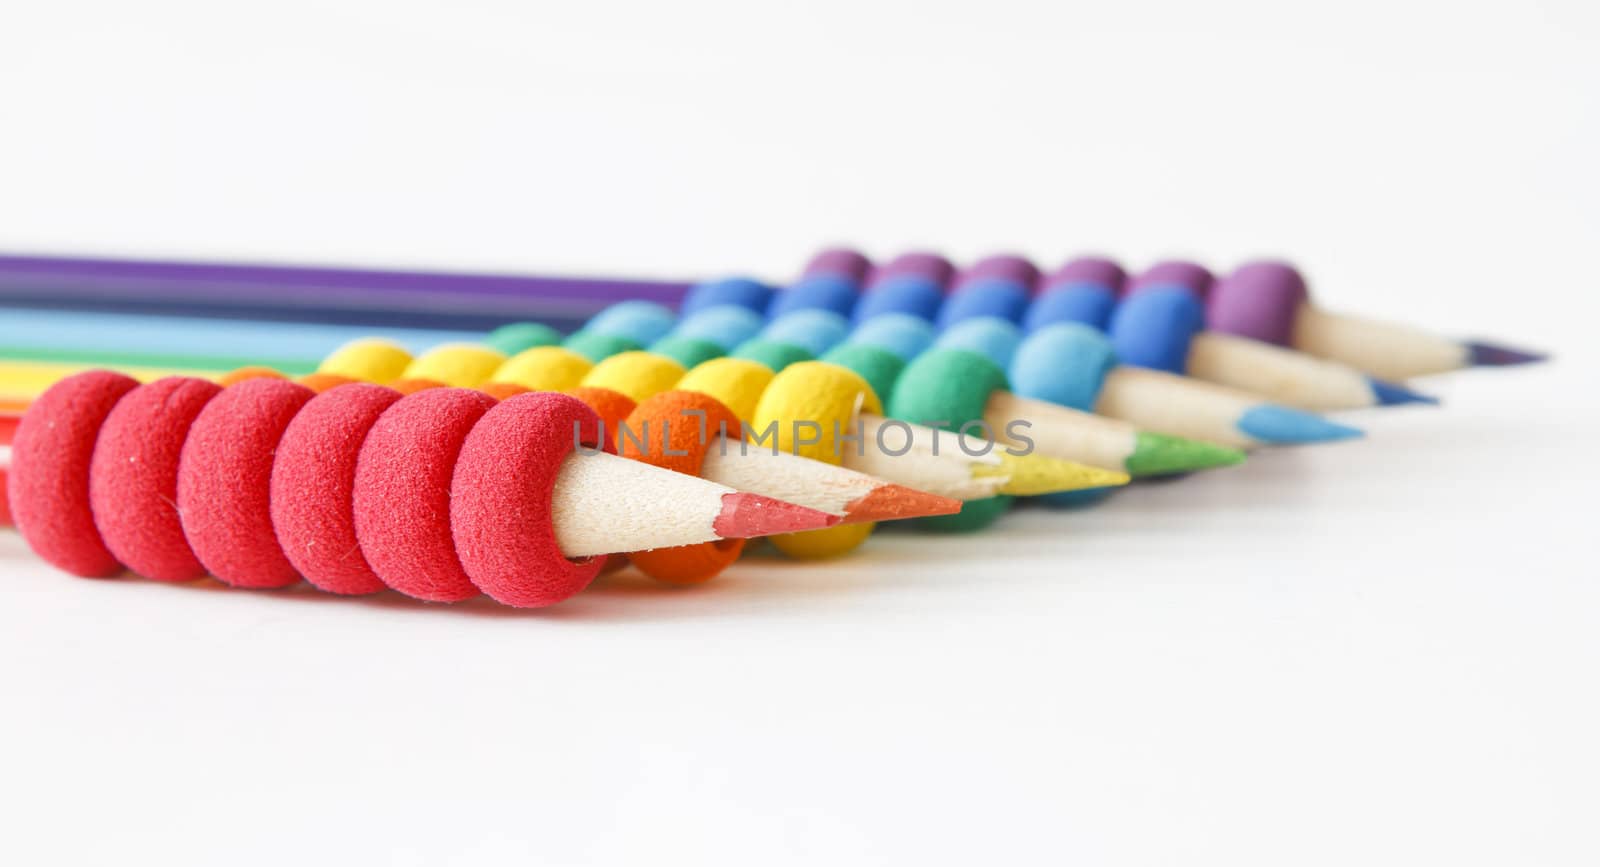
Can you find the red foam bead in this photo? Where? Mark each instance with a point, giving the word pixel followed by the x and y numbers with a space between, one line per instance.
pixel 49 480
pixel 224 482
pixel 133 479
pixel 313 487
pixel 402 492
pixel 500 499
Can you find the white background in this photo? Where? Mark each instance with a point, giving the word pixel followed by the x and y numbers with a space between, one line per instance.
pixel 1379 653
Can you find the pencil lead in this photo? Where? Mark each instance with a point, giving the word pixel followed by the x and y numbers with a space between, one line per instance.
pixel 1392 394
pixel 1157 454
pixel 1034 474
pixel 896 502
pixel 1284 426
pixel 746 516
pixel 1485 354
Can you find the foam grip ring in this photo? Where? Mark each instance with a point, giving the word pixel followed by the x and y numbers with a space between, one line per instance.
pixel 519 336
pixel 368 360
pixel 1087 269
pixel 906 294
pixel 499 499
pixel 1258 300
pixel 878 366
pixel 1190 276
pixel 613 407
pixel 597 347
pixel 637 374
pixel 677 427
pixel 830 397
pixel 688 351
pixel 1083 290
pixel 1155 327
pixel 51 455
pixel 737 383
pixel 815 331
pixel 831 292
pixel 903 334
pixel 1066 363
pixel 992 338
pixel 931 266
pixel 321 382
pixel 502 390
pixel 463 365
pixel 724 324
pixel 730 291
pixel 133 480
pixel 1005 267
pixel 401 496
pixel 313 487
pixel 1091 304
pixel 1000 299
pixel 950 387
pixel 225 477
pixel 544 368
pixel 842 261
pixel 240 374
pixel 773 354
pixel 643 322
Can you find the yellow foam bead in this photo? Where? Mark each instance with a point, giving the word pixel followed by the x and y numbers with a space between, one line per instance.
pixel 737 382
pixel 544 368
pixel 637 374
pixel 368 360
pixel 463 365
pixel 831 396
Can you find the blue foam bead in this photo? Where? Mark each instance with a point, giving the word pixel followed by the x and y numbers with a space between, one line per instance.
pixel 832 292
pixel 911 294
pixel 816 331
pixel 1154 327
pixel 993 338
pixel 726 325
pixel 1002 299
pixel 643 322
pixel 901 333
pixel 739 291
pixel 1065 363
pixel 1088 303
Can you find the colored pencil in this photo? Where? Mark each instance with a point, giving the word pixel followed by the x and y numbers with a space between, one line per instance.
pixel 362 296
pixel 1268 301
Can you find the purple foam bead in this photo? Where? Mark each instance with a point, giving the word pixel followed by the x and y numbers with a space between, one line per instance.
pixel 931 266
pixel 1174 272
pixel 842 261
pixel 1088 269
pixel 1258 300
pixel 1004 266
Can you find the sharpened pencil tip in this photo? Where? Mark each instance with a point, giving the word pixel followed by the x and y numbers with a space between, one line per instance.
pixel 1494 355
pixel 1034 474
pixel 1391 394
pixel 746 516
pixel 1162 455
pixel 1280 425
pixel 891 502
